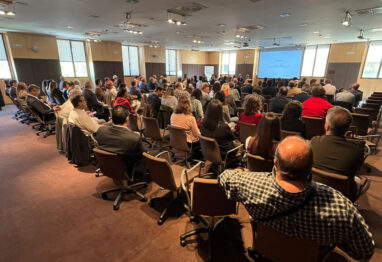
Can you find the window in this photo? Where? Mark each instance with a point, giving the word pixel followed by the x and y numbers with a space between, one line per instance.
pixel 229 63
pixel 130 60
pixel 4 65
pixel 315 59
pixel 72 58
pixel 170 62
pixel 372 68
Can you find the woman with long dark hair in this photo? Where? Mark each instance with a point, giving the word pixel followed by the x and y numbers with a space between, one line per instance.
pixel 213 126
pixel 264 143
pixel 291 119
pixel 122 99
pixel 196 104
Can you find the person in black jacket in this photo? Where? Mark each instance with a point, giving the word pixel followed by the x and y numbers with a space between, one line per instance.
pixel 155 101
pixel 291 119
pixel 278 103
pixel 117 138
pixel 44 110
pixel 248 88
pixel 269 88
pixel 213 126
pixel 56 94
pixel 93 104
pixel 10 90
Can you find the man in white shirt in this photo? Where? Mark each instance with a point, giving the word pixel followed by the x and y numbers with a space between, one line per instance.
pixel 345 96
pixel 80 118
pixel 329 88
pixel 64 110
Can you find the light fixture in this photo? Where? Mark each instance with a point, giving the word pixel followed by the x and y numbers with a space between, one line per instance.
pixel 131 31
pixel 238 36
pixel 347 21
pixel 316 32
pixel 170 21
pixel 284 15
pixel 173 18
pixel 2 12
pixel 7 8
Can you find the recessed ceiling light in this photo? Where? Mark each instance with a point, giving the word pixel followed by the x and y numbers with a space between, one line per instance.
pixel 316 32
pixel 284 15
pixel 10 13
pixel 68 27
pixel 2 12
pixel 304 24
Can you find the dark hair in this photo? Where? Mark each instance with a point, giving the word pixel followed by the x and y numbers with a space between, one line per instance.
pixel 216 87
pixel 159 88
pixel 122 85
pixel 283 91
pixel 318 91
pixel 219 95
pixel 214 115
pixel 268 131
pixel 12 82
pixel 292 110
pixel 122 92
pixel 313 81
pixel 33 87
pixel 197 94
pixel 252 104
pixel 133 83
pixel 98 81
pixel 119 114
pixel 70 83
pixel 76 100
pixel 184 106
pixel 53 85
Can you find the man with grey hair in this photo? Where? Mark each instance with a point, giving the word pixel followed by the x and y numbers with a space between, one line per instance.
pixel 332 152
pixel 290 202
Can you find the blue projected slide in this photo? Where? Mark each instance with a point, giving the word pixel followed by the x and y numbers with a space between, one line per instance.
pixel 283 64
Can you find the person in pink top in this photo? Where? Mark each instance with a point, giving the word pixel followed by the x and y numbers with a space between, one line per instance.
pixel 183 118
pixel 251 114
pixel 316 106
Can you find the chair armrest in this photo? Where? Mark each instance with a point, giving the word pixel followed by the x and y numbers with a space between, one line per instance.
pixel 368 151
pixel 232 150
pixel 194 167
pixel 164 152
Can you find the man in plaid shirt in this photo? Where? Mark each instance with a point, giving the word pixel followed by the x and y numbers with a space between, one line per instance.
pixel 326 217
pixel 179 91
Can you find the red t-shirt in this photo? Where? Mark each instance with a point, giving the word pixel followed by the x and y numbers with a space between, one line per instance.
pixel 120 101
pixel 252 119
pixel 315 107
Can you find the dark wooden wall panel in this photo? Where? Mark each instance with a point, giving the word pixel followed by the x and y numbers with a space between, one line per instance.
pixel 343 74
pixel 155 69
pixel 107 68
pixel 197 69
pixel 33 71
pixel 244 69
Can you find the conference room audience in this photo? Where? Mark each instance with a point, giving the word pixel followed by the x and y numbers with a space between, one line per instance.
pixel 291 118
pixel 79 117
pixel 169 99
pixel 55 93
pixel 22 92
pixel 116 81
pixel 247 88
pixel 329 88
pixel 233 91
pixel 199 83
pixel 344 95
pixel 111 93
pixel 304 95
pixel 230 101
pixel 117 138
pixel 134 91
pixel 316 106
pixel 102 111
pixel 182 117
pixel 143 86
pixel 206 98
pixel 265 141
pixel 293 89
pixel 252 111
pixel 196 104
pixel 216 87
pixel 269 198
pixel 64 110
pixel 213 126
pixel 179 91
pixel 61 84
pixel 313 82
pixel 123 100
pixel 354 88
pixel 44 110
pixel 278 103
pixel 332 152
pixel 269 89
pixel 154 99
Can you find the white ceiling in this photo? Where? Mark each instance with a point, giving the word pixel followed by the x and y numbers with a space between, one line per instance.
pixel 53 16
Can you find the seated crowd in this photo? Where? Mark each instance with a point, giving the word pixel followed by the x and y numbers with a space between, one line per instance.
pixel 215 109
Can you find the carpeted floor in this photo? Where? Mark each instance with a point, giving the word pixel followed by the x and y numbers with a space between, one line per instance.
pixel 52 211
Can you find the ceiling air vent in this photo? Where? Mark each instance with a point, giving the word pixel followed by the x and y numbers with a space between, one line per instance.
pixel 187 9
pixel 370 11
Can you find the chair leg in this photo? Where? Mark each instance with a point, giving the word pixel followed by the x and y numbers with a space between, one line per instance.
pixel 118 200
pixel 98 171
pixel 132 190
pixel 210 242
pixel 123 191
pixel 163 215
pixel 186 235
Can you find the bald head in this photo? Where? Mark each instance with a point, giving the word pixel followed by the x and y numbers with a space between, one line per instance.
pixel 293 159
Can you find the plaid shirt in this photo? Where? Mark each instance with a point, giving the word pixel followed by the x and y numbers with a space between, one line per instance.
pixel 327 218
pixel 179 93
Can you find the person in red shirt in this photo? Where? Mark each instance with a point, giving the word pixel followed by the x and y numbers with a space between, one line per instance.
pixel 122 100
pixel 251 114
pixel 316 106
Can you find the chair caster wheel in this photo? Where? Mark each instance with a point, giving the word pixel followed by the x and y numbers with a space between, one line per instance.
pixel 160 222
pixel 183 243
pixel 151 204
pixel 115 208
pixel 104 196
pixel 37 134
pixel 143 199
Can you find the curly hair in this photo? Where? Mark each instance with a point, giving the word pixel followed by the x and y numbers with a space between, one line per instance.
pixel 252 105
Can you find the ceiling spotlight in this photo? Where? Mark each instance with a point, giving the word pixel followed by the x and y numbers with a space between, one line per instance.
pixel 284 15
pixel 140 32
pixel 2 12
pixel 238 36
pixel 10 13
pixel 178 23
pixel 316 32
pixel 184 23
pixel 170 21
pixel 347 21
